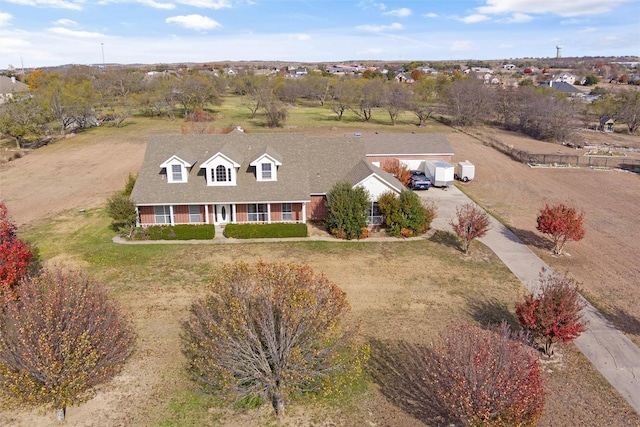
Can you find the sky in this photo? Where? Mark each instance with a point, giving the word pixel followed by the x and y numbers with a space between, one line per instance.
pixel 37 33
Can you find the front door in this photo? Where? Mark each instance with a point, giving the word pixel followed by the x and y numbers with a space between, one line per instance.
pixel 223 214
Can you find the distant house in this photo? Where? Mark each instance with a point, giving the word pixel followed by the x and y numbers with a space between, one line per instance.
pixel 10 88
pixel 606 124
pixel 404 78
pixel 562 87
pixel 251 178
pixel 565 78
pixel 509 66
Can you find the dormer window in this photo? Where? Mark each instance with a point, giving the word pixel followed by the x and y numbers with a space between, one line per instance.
pixel 221 174
pixel 176 173
pixel 176 169
pixel 266 166
pixel 266 171
pixel 221 170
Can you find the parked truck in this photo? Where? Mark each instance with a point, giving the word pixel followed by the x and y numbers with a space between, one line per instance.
pixel 440 172
pixel 465 171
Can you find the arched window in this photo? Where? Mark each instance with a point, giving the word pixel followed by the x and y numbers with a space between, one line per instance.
pixel 222 174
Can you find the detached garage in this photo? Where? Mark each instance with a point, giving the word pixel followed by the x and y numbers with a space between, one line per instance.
pixel 411 149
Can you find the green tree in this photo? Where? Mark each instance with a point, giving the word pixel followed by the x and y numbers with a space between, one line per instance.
pixel 60 337
pixel 347 211
pixel 272 331
pixel 23 120
pixel 122 210
pixel 405 215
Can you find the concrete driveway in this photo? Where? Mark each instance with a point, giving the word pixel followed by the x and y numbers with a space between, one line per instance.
pixel 611 352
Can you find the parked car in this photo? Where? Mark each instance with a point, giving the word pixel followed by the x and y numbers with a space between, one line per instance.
pixel 419 181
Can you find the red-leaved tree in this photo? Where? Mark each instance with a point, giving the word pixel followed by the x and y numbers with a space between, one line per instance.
pixel 14 253
pixel 486 377
pixel 555 313
pixel 471 222
pixel 563 223
pixel 397 169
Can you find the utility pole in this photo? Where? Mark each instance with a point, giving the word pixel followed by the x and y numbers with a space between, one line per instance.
pixel 102 45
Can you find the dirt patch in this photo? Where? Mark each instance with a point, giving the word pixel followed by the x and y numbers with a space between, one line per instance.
pixel 605 261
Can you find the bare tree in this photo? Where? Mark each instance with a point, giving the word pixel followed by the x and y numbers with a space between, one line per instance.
pixel 468 101
pixel 396 98
pixel 269 331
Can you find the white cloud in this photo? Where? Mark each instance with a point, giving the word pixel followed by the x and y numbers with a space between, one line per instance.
pixel 400 13
pixel 562 8
pixel 366 4
pixel 302 37
pixel 207 4
pixel 75 34
pixel 519 18
pixel 156 5
pixel 573 21
pixel 588 30
pixel 66 22
pixel 194 22
pixel 430 15
pixel 380 28
pixel 57 4
pixel 461 45
pixel 5 18
pixel 472 19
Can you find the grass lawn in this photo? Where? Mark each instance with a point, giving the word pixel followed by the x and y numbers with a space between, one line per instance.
pixel 404 293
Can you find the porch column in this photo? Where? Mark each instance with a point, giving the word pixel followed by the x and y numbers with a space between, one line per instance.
pixel 304 213
pixel 268 213
pixel 206 214
pixel 137 217
pixel 233 213
pixel 171 219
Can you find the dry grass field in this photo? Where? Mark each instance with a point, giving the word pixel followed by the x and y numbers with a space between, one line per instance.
pixel 404 292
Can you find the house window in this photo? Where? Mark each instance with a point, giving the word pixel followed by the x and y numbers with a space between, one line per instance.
pixel 222 174
pixel 266 171
pixel 176 173
pixel 162 214
pixel 286 212
pixel 194 214
pixel 375 215
pixel 257 212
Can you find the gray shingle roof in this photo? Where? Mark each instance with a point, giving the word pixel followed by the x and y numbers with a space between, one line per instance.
pixel 419 144
pixel 309 166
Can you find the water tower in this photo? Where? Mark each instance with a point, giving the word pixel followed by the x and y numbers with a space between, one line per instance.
pixel 558 51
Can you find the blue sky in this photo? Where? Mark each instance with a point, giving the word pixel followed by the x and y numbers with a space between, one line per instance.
pixel 37 33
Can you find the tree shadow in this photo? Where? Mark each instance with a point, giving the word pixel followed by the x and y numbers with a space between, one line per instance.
pixel 531 238
pixel 399 369
pixel 446 238
pixel 624 321
pixel 491 312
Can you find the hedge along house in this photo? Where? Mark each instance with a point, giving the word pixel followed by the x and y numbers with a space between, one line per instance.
pixel 411 149
pixel 250 178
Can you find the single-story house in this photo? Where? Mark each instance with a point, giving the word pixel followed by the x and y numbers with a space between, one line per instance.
pixel 251 178
pixel 411 149
pixel 10 88
pixel 606 124
pixel 564 88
